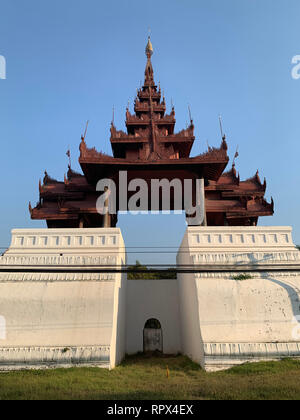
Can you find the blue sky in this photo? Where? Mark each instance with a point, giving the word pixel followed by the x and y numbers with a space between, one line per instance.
pixel 72 61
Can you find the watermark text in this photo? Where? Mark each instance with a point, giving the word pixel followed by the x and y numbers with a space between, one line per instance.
pixel 296 68
pixel 137 196
pixel 2 67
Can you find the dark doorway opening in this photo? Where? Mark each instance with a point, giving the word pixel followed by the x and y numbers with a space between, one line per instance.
pixel 153 338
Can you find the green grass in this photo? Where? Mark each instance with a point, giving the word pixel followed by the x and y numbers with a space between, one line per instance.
pixel 142 378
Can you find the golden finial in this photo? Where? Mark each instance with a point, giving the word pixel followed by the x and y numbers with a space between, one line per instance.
pixel 149 48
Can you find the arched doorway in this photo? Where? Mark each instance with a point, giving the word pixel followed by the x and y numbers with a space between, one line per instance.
pixel 153 338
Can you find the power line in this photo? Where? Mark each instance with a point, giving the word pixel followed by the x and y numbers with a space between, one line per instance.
pixel 181 268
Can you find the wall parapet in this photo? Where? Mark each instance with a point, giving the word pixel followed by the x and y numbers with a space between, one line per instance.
pixel 66 241
pixel 234 237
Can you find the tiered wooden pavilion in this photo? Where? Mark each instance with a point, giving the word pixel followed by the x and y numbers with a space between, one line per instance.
pixel 150 148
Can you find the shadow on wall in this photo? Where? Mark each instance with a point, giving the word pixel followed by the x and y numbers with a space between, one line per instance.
pixel 294 295
pixel 191 336
pixel 292 290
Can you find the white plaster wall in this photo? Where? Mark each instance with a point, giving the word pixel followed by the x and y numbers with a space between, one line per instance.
pixel 47 312
pixel 153 299
pixel 57 313
pixel 118 341
pixel 191 339
pixel 258 310
pixel 226 321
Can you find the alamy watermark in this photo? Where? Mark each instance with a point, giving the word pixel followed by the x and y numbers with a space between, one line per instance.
pixel 2 67
pixel 137 196
pixel 296 68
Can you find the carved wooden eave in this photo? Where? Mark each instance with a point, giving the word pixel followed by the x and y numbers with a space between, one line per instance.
pixel 92 153
pixel 215 153
pixel 56 188
pixel 222 206
pixel 229 178
pixel 73 174
pixel 213 156
pixel 48 180
pixel 140 107
pixel 260 203
pixel 133 119
pixel 255 182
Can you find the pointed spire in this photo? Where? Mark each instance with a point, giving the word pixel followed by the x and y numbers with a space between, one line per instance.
pixel 190 115
pixel 257 177
pixel 149 78
pixel 221 127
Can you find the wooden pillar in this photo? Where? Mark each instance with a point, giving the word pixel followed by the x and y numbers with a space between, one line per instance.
pixel 106 216
pixel 202 201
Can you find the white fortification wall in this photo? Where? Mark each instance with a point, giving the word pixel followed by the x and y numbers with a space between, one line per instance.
pixel 60 305
pixel 60 314
pixel 225 321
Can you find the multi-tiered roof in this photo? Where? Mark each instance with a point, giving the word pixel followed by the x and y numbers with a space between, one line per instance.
pixel 150 148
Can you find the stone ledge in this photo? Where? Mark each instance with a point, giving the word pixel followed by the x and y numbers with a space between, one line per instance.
pixel 284 349
pixel 250 258
pixel 55 277
pixel 12 358
pixel 54 365
pixel 231 275
pixel 222 356
pixel 47 260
